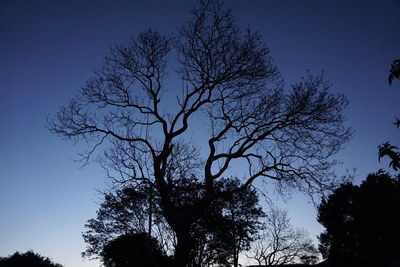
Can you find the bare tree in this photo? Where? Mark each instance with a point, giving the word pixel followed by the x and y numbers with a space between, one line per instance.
pixel 280 243
pixel 227 76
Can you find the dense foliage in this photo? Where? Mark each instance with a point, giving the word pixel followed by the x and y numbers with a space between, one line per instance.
pixel 362 222
pixel 137 250
pixel 226 228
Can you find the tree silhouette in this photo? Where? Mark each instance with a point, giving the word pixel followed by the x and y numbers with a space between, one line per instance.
pixel 227 80
pixel 226 229
pixel 28 258
pixel 362 223
pixel 242 218
pixel 125 211
pixel 137 250
pixel 229 226
pixel 280 243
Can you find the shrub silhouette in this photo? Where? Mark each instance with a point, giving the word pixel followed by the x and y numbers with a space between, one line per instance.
pixel 134 250
pixel 27 259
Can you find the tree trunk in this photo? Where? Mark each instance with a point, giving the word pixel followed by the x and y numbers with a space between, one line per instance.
pixel 180 219
pixel 150 211
pixel 183 250
pixel 235 257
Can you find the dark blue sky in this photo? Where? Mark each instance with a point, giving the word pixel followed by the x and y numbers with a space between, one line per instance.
pixel 48 49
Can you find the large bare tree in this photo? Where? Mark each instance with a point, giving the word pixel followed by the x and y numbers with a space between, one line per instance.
pixel 129 111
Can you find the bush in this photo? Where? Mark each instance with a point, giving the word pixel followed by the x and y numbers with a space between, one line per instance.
pixel 27 259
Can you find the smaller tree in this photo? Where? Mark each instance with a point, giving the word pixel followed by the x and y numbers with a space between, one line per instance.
pixel 280 243
pixel 362 223
pixel 138 250
pixel 230 225
pixel 129 210
pixel 26 259
pixel 242 212
pixel 125 211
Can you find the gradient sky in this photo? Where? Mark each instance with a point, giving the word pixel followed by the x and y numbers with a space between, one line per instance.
pixel 48 49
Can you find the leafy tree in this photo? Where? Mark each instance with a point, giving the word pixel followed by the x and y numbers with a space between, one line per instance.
pixel 138 250
pixel 387 149
pixel 242 215
pixel 124 212
pixel 226 229
pixel 28 258
pixel 227 79
pixel 280 243
pixel 229 226
pixel 362 222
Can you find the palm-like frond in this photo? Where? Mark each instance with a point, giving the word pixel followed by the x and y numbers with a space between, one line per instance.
pixel 394 70
pixel 387 149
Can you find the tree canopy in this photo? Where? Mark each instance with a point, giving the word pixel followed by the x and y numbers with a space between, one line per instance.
pixel 227 227
pixel 361 222
pixel 229 83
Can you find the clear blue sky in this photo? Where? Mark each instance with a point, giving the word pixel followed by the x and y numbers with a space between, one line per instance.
pixel 48 49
